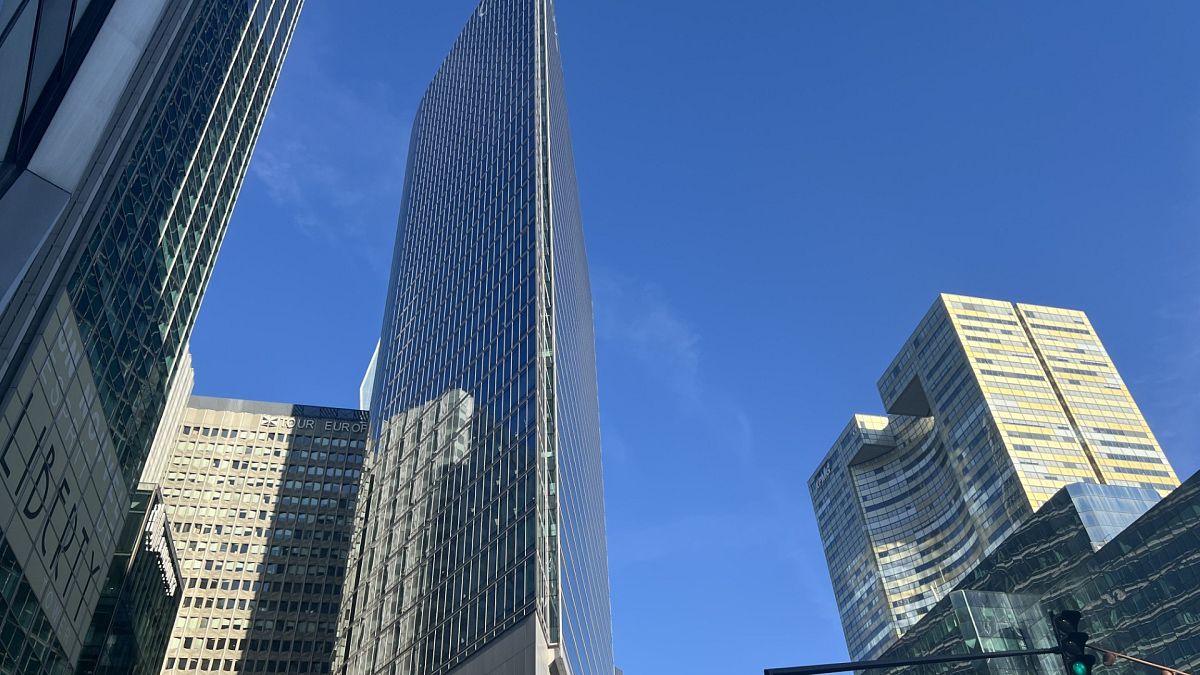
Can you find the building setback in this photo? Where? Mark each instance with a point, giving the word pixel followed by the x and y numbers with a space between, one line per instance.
pixel 480 543
pixel 178 398
pixel 992 407
pixel 261 499
pixel 125 131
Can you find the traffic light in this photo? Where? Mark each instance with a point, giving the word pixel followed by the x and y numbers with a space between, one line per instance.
pixel 1072 644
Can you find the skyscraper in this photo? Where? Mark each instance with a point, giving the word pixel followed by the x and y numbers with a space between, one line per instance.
pixel 480 541
pixel 261 499
pixel 178 398
pixel 992 407
pixel 125 127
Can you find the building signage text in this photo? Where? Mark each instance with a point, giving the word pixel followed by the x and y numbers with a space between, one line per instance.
pixel 157 543
pixel 272 422
pixel 48 499
pixel 822 476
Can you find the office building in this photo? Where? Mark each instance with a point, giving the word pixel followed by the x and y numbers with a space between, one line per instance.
pixel 125 127
pixel 178 398
pixel 480 542
pixel 261 500
pixel 992 407
pixel 1137 589
pixel 132 623
pixel 367 388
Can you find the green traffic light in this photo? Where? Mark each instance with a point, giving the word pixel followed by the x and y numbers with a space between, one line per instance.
pixel 1079 668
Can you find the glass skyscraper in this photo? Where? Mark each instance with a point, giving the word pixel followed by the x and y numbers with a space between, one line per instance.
pixel 125 127
pixel 992 408
pixel 480 541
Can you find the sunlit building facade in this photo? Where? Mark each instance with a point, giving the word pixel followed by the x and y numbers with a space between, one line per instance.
pixel 480 544
pixel 992 408
pixel 367 387
pixel 125 130
pixel 178 398
pixel 261 500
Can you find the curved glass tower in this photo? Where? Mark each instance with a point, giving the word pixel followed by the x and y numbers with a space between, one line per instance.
pixel 992 408
pixel 480 543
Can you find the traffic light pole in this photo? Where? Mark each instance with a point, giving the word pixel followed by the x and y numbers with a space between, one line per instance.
pixel 896 663
pixel 1072 646
pixel 1118 655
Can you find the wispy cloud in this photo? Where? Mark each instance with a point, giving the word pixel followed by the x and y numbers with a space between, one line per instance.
pixel 638 326
pixel 1174 388
pixel 637 316
pixel 637 319
pixel 332 154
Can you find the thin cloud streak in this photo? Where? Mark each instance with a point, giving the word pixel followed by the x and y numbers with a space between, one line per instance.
pixel 636 318
pixel 332 155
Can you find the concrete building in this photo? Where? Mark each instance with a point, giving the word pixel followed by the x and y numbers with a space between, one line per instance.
pixel 261 498
pixel 482 545
pixel 992 407
pixel 125 130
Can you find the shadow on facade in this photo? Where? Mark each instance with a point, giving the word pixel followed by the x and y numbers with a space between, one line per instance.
pixel 307 533
pixel 443 558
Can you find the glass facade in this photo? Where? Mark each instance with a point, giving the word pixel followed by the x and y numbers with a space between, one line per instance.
pixel 367 386
pixel 261 498
pixel 992 407
pixel 133 621
pixel 93 331
pixel 484 507
pixel 1138 593
pixel 995 622
pixel 42 44
pixel 1106 510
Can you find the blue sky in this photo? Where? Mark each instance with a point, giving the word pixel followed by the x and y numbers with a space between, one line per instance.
pixel 774 192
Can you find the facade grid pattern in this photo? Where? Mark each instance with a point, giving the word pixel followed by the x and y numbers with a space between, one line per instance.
pixel 993 407
pixel 484 505
pixel 132 625
pixel 261 498
pixel 87 381
pixel 1127 561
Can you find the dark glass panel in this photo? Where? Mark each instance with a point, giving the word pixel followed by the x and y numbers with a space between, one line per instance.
pixel 54 21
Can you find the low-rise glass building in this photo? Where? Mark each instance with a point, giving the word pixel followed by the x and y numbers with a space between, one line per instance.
pixel 1138 590
pixel 133 619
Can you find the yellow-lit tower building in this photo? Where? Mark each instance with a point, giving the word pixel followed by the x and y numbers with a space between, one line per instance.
pixel 992 407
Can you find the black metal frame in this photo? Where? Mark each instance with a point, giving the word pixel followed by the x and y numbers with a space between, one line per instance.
pixel 915 661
